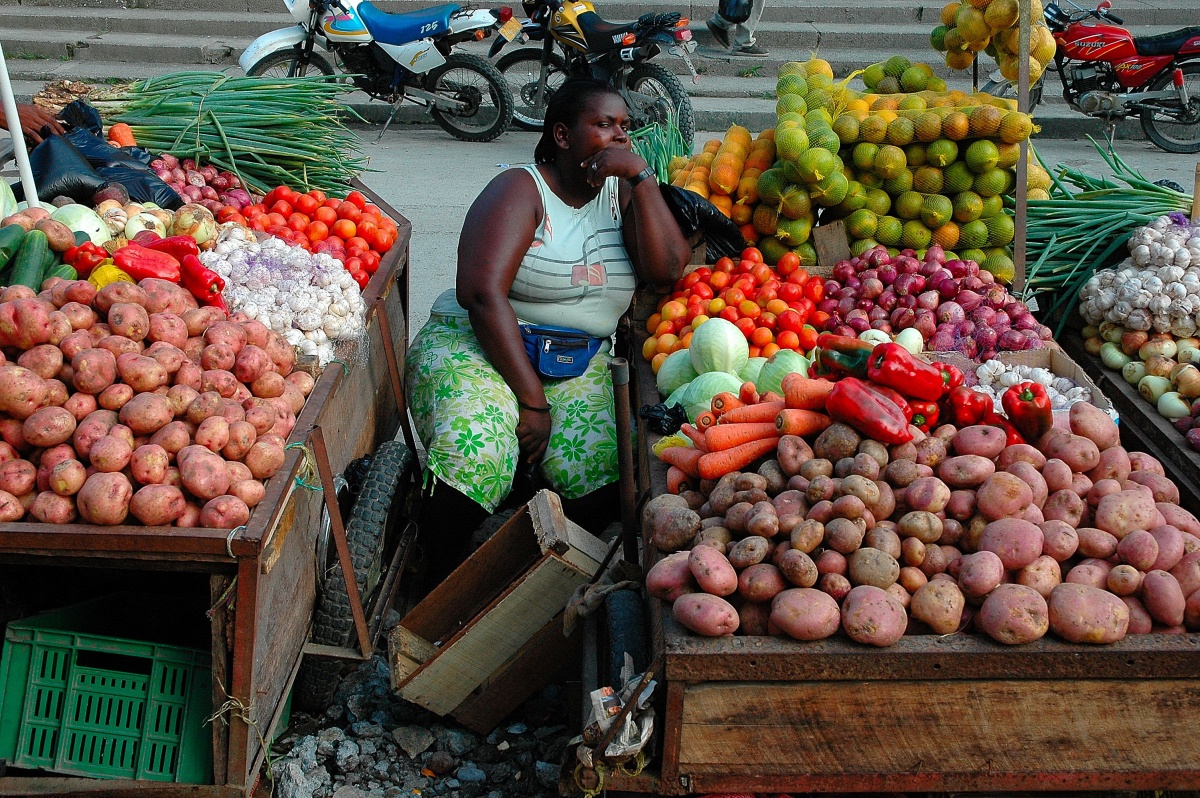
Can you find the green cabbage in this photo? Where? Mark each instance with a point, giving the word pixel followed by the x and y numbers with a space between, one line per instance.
pixel 82 219
pixel 782 363
pixel 718 345
pixel 701 390
pixel 749 372
pixel 8 203
pixel 676 370
pixel 676 397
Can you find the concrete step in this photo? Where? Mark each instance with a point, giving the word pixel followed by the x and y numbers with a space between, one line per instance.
pixel 32 44
pixel 106 21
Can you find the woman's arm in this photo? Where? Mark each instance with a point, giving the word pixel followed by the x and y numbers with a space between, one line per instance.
pixel 496 234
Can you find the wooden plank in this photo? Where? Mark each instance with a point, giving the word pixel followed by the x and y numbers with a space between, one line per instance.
pixel 970 734
pixel 245 629
pixel 406 652
pixel 219 619
pixel 555 532
pixel 831 244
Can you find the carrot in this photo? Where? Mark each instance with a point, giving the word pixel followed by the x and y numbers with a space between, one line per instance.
pixel 706 420
pixel 696 436
pixel 761 412
pixel 726 436
pixel 770 396
pixel 724 402
pixel 794 421
pixel 715 465
pixel 122 135
pixel 803 393
pixel 748 393
pixel 677 480
pixel 682 457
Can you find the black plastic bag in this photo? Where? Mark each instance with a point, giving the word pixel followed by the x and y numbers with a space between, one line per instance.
pixel 78 115
pixel 737 11
pixel 60 169
pixel 697 215
pixel 100 153
pixel 142 185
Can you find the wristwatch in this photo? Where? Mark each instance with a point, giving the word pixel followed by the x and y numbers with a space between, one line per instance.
pixel 640 176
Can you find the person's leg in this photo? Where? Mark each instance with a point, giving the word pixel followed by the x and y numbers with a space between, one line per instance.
pixel 743 34
pixel 446 522
pixel 719 27
pixel 597 510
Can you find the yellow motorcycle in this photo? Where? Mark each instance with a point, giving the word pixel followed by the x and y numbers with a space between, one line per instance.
pixel 589 46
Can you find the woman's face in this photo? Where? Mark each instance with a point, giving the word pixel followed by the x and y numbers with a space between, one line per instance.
pixel 604 124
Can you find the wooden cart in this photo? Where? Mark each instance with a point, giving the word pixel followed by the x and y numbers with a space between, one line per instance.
pixel 262 578
pixel 931 713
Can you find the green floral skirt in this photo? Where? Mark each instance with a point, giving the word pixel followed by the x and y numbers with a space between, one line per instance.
pixel 466 417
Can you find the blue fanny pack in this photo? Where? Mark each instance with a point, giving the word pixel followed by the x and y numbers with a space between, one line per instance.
pixel 559 352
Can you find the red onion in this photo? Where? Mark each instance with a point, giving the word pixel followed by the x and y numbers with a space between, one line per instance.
pixel 192 193
pixel 982 315
pixel 212 204
pixel 969 300
pixel 987 278
pixel 967 327
pixel 928 269
pixel 878 314
pixel 220 182
pixel 854 284
pixel 865 304
pixel 882 325
pixel 909 283
pixel 163 174
pixel 987 354
pixel 846 330
pixel 1196 407
pixel 928 300
pixel 867 274
pixel 188 163
pixel 194 178
pixel 1012 340
pixel 871 288
pixel 941 341
pixel 159 163
pixel 947 288
pixel 1001 323
pixel 936 253
pixel 832 287
pixel 209 172
pixel 846 305
pixel 967 346
pixel 238 195
pixel 877 256
pixel 827 305
pixel 886 300
pixel 169 160
pixel 1045 333
pixel 972 268
pixel 845 293
pixel 843 271
pixel 986 338
pixel 903 318
pixel 1183 424
pixel 906 301
pixel 925 323
pixel 996 296
pixel 1015 310
pixel 957 268
pixel 951 313
pixel 1026 322
pixel 905 265
pixel 859 320
pixel 1035 343
pixel 972 283
pixel 178 175
pixel 887 273
pixel 209 193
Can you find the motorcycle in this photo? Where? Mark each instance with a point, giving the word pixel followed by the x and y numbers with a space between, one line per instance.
pixel 589 46
pixel 1109 73
pixel 396 57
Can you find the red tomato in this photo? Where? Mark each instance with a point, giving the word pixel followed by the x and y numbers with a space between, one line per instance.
pixel 752 253
pixel 807 306
pixel 356 199
pixel 362 278
pixel 297 222
pixel 704 272
pixel 788 339
pixel 767 295
pixel 790 292
pixel 332 203
pixel 762 272
pixel 318 195
pixel 306 203
pixel 257 223
pixel 755 351
pixel 788 263
pixel 808 337
pixel 317 231
pixel 226 213
pixel 733 296
pixel 761 336
pixel 767 319
pixel 702 290
pixel 749 309
pixel 724 265
pixel 282 208
pixel 730 314
pixel 745 266
pixel 718 280
pixel 689 280
pixel 385 238
pixel 325 215
pixel 370 262
pixel 747 326
pixel 814 291
pixel 344 229
pixel 354 265
pixel 790 320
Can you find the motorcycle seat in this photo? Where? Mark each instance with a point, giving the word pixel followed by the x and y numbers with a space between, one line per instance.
pixel 400 29
pixel 1165 43
pixel 602 35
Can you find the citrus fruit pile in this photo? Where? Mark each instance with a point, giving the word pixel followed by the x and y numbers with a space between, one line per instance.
pixel 991 27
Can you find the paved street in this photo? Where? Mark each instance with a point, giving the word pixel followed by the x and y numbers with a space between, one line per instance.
pixel 432 179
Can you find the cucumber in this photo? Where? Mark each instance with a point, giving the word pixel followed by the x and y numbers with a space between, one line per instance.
pixel 29 260
pixel 11 237
pixel 63 270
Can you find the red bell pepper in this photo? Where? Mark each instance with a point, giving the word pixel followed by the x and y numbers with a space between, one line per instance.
pixel 925 414
pixel 200 281
pixel 952 376
pixel 967 406
pixel 893 396
pixel 139 263
pixel 1012 434
pixel 841 354
pixel 1027 406
pixel 894 366
pixel 853 403
pixel 176 246
pixel 85 257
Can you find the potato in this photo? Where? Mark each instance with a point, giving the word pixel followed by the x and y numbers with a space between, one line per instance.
pixel 1139 549
pixel 762 520
pixel 198 319
pixel 980 439
pixel 18 477
pixel 1179 518
pixel 1079 453
pixel 1085 614
pixel 873 616
pixel 217 356
pixel 163 296
pixel 927 493
pixel 147 413
pixel 110 454
pixel 115 293
pixel 1140 622
pixel 712 571
pixel 886 540
pixel 1164 490
pixel 51 508
pixel 44 360
pixel 219 380
pixel 227 333
pixel 1002 495
pixel 149 464
pixel 1096 543
pixel 1122 512
pixel 1043 575
pixel 670 577
pixel 805 614
pixel 706 615
pixel 798 568
pixel 157 505
pixel 190 517
pixel 930 451
pixel 213 433
pixel 843 535
pixel 837 441
pixel 940 605
pixel 1015 541
pixel 920 524
pixel 1170 547
pixel 1014 615
pixel 129 320
pixel 224 512
pixel 25 323
pixel 94 370
pixel 980 573
pixel 835 585
pixel 1094 424
pixel 80 316
pixel 749 551
pixel 250 491
pixel 49 426
pixel 1020 453
pixel 1163 598
pixel 11 508
pixel 1124 580
pixel 104 499
pixel 204 474
pixel 1064 505
pixel 869 566
pixel 1091 572
pixel 189 374
pixel 761 582
pixel 966 470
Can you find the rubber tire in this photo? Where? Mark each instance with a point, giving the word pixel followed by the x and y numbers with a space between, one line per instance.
pixel 1002 88
pixel 626 632
pixel 1192 68
pixel 285 57
pixel 366 533
pixel 528 61
pixel 686 121
pixel 501 97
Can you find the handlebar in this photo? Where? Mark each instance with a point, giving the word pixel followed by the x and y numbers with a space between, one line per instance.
pixel 1101 12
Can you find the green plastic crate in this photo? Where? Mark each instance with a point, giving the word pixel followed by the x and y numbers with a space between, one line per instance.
pixel 81 693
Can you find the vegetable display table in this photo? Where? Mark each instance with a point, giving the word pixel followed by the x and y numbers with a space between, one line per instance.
pixel 931 713
pixel 262 577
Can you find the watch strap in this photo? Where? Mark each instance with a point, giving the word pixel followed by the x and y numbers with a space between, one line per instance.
pixel 640 176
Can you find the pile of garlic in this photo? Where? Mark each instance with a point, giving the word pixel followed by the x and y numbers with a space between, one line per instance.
pixel 996 377
pixel 309 299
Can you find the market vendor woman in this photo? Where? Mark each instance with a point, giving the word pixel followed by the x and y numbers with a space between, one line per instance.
pixel 563 243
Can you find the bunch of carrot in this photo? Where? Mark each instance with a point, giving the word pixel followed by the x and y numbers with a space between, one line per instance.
pixel 740 428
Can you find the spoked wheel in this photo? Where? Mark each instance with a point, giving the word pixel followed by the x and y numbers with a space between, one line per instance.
pixel 471 80
pixel 366 534
pixel 282 64
pixel 522 69
pixel 1166 123
pixel 654 95
pixel 1002 88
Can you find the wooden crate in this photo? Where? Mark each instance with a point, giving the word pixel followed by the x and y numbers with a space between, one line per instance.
pixel 471 647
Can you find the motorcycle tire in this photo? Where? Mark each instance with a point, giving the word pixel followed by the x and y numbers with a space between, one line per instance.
pixel 655 80
pixel 522 69
pixel 366 536
pixel 1164 131
pixel 475 81
pixel 1002 88
pixel 279 63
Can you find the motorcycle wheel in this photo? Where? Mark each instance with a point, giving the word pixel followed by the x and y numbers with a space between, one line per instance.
pixel 279 65
pixel 1167 132
pixel 521 70
pixel 653 80
pixel 473 80
pixel 1002 88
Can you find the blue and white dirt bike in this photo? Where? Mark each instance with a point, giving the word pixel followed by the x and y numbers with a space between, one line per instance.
pixel 393 57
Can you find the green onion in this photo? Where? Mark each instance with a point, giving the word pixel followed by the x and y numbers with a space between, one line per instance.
pixel 658 144
pixel 267 131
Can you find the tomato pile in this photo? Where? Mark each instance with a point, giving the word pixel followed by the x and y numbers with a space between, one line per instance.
pixel 351 230
pixel 774 307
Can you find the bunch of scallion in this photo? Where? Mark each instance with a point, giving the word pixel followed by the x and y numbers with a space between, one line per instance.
pixel 1085 226
pixel 267 131
pixel 658 143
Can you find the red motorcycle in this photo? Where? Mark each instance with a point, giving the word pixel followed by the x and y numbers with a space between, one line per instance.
pixel 1109 73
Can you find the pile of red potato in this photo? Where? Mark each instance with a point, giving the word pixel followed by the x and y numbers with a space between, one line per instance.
pixel 957 531
pixel 133 401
